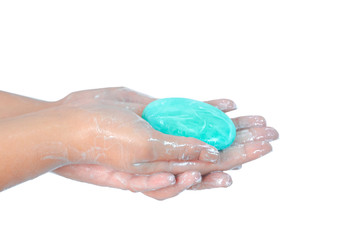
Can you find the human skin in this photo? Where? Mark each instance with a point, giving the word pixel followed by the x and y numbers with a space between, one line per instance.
pixel 102 106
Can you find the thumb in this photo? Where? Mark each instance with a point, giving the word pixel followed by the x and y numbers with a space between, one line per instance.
pixel 169 147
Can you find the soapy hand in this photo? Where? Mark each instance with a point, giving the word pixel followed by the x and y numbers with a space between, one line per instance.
pixel 112 133
pixel 250 143
pixel 162 185
pixel 93 118
pixel 134 102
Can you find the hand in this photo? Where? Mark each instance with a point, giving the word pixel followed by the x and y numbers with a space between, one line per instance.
pixel 161 186
pixel 161 180
pixel 136 101
pixel 158 185
pixel 54 133
pixel 112 133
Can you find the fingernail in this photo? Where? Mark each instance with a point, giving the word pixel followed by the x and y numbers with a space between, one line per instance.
pixel 209 155
pixel 234 106
pixel 236 168
pixel 197 177
pixel 224 181
pixel 228 182
pixel 271 133
pixel 226 105
pixel 172 179
pixel 259 121
pixel 231 106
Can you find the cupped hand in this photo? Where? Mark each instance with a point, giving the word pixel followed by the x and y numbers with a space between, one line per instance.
pixel 163 185
pixel 109 132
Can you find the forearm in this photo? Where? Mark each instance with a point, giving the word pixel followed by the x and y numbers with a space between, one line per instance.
pixel 14 105
pixel 27 147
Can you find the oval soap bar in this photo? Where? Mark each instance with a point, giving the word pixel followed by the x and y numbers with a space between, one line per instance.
pixel 191 118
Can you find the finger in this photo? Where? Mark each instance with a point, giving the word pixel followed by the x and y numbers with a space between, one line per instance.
pixel 231 157
pixel 256 134
pixel 169 147
pixel 128 95
pixel 242 153
pixel 103 176
pixel 183 182
pixel 225 105
pixel 144 183
pixel 94 174
pixel 249 121
pixel 213 180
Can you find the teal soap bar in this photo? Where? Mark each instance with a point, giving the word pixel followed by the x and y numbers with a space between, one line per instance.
pixel 191 118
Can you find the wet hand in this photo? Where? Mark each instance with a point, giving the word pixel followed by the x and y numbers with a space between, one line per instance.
pixel 162 185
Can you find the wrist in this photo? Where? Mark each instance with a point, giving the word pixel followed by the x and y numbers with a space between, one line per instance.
pixel 30 145
pixel 12 105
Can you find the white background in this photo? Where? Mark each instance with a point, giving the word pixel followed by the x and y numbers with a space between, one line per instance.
pixel 296 63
